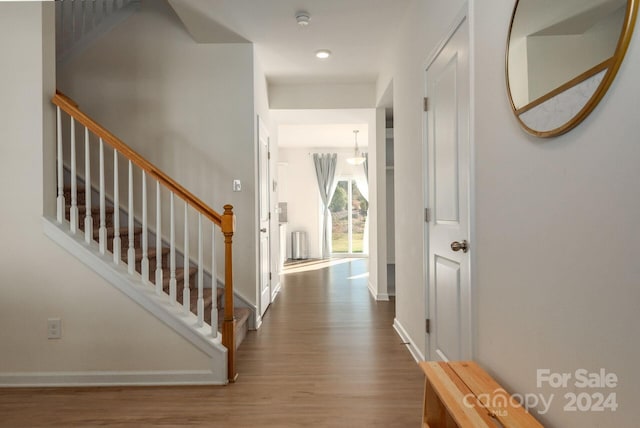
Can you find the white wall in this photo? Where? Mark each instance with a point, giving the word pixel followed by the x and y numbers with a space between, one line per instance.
pixel 555 279
pixel 322 96
pixel 102 330
pixel 556 283
pixel 186 107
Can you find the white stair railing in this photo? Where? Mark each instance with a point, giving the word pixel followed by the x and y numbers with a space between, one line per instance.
pixel 222 225
pixel 80 22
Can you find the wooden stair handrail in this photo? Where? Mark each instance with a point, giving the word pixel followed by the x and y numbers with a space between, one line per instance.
pixel 71 108
pixel 226 221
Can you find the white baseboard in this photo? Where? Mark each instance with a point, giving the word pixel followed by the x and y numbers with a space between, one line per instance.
pixel 133 378
pixel 383 297
pixel 406 338
pixel 275 291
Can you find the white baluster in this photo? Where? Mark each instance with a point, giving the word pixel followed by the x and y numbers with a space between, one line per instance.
pixel 186 291
pixel 131 254
pixel 73 21
pixel 158 240
pixel 84 29
pixel 60 200
pixel 145 238
pixel 200 274
pixel 214 285
pixel 74 180
pixel 93 14
pixel 102 232
pixel 172 255
pixel 88 216
pixel 117 243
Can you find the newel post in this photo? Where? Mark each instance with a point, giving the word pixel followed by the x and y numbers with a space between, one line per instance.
pixel 228 327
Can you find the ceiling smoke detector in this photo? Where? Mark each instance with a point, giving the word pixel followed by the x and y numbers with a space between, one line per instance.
pixel 303 18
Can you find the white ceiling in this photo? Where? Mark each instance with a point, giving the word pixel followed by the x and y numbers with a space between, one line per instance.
pixel 357 32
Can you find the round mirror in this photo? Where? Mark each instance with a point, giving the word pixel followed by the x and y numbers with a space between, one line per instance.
pixel 562 55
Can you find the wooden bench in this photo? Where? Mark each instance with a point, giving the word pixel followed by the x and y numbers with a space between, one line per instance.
pixel 461 394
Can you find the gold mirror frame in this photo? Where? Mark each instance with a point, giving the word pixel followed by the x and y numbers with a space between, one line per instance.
pixel 611 65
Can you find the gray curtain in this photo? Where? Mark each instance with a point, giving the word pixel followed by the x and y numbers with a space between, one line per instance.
pixel 325 172
pixel 366 166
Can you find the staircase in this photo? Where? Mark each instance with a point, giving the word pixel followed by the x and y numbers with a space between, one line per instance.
pixel 114 238
pixel 242 314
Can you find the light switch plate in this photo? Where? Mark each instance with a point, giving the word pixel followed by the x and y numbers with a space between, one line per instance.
pixel 237 186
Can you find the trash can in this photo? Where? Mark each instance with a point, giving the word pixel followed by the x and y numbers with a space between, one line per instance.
pixel 299 245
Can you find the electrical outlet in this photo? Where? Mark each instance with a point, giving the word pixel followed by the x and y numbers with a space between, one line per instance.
pixel 237 185
pixel 54 328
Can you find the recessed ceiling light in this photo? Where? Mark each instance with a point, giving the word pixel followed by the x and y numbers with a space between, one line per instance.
pixel 323 54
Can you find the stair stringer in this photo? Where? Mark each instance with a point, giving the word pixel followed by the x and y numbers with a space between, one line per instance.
pixel 144 295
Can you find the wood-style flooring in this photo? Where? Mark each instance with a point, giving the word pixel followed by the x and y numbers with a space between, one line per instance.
pixel 326 356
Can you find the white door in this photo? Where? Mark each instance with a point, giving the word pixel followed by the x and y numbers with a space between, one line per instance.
pixel 265 216
pixel 448 150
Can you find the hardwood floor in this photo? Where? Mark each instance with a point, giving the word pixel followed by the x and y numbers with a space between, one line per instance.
pixel 326 356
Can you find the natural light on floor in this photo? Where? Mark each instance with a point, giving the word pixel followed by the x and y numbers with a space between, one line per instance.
pixel 314 264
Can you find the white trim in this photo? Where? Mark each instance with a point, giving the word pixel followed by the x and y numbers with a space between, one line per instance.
pixel 131 285
pixel 276 290
pixel 460 17
pixel 257 321
pixel 132 378
pixel 383 297
pixel 411 345
pixel 472 181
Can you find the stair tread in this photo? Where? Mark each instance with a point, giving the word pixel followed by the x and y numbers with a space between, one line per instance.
pixel 151 253
pixel 193 298
pixel 239 313
pixel 166 276
pixel 94 210
pixel 124 232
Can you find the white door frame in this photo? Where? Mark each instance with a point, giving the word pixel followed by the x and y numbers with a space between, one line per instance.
pixel 264 191
pixel 463 14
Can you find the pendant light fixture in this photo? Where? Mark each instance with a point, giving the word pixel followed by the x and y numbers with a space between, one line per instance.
pixel 358 157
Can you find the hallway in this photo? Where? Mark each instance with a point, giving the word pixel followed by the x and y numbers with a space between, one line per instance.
pixel 326 356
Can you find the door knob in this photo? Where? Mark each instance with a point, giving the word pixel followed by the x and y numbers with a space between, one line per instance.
pixel 457 246
pixel 263 230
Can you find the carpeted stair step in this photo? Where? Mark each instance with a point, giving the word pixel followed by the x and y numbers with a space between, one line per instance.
pixel 242 323
pixel 95 215
pixel 151 255
pixel 220 296
pixel 80 195
pixel 124 237
pixel 166 277
pixel 193 290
